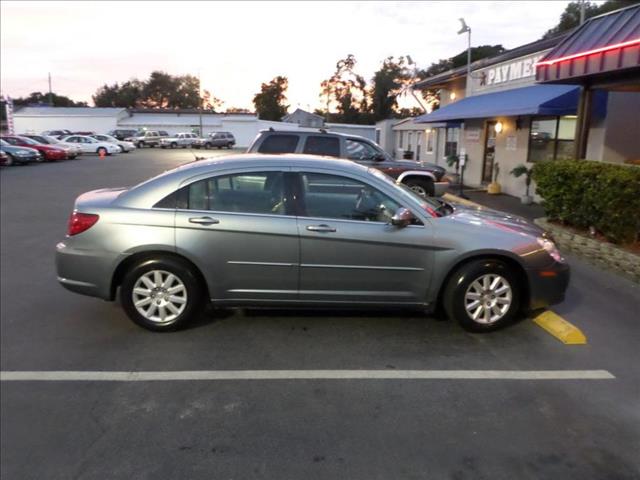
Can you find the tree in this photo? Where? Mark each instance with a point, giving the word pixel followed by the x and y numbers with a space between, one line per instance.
pixel 39 99
pixel 570 18
pixel 127 95
pixel 270 102
pixel 161 90
pixel 346 91
pixel 387 83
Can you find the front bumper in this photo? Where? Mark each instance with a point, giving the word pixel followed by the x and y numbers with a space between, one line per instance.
pixel 547 286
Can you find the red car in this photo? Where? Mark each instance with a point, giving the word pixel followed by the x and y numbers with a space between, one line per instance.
pixel 51 153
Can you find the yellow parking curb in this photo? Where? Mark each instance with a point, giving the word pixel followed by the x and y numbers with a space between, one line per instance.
pixel 557 326
pixel 454 198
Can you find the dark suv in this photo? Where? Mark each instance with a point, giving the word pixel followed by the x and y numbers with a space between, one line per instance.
pixel 424 179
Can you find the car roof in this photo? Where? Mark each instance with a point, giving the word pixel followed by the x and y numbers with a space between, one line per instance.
pixel 320 131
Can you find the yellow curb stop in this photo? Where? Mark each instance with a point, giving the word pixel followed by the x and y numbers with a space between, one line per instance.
pixel 454 198
pixel 557 326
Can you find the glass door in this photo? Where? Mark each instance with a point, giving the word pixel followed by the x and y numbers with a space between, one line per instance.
pixel 489 153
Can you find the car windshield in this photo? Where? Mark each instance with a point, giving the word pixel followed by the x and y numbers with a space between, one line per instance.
pixel 52 139
pixel 28 141
pixel 4 144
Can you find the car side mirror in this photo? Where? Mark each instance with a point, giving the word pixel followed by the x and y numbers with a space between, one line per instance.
pixel 402 217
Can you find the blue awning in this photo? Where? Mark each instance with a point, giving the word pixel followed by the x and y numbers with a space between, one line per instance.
pixel 533 100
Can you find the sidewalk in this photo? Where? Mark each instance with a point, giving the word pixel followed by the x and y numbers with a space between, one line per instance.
pixel 503 202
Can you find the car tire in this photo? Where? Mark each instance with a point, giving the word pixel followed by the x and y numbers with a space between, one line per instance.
pixel 140 145
pixel 174 145
pixel 207 146
pixel 122 150
pixel 483 295
pixel 422 187
pixel 9 161
pixel 178 309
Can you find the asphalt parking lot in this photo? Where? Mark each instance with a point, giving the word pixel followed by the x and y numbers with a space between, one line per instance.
pixel 236 428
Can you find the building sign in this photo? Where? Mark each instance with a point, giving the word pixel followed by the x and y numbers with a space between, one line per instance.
pixel 518 72
pixel 512 143
pixel 472 135
pixel 9 110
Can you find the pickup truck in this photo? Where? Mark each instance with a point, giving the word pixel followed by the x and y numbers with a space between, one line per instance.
pixel 426 179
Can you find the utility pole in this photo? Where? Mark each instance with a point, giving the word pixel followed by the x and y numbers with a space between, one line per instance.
pixel 50 93
pixel 200 103
pixel 582 11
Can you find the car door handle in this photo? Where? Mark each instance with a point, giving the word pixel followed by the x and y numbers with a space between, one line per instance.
pixel 320 228
pixel 204 220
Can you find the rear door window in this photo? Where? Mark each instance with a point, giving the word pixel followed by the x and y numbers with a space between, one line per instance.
pixel 358 150
pixel 279 144
pixel 317 145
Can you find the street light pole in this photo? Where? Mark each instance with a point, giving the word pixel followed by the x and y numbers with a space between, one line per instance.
pixel 466 29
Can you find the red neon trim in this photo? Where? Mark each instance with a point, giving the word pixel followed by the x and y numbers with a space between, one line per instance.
pixel 590 52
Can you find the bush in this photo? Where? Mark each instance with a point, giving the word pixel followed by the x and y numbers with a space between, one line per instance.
pixel 587 194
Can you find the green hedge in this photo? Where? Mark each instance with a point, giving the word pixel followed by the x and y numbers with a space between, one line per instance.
pixel 585 193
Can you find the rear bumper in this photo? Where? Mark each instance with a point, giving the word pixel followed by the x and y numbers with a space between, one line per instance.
pixel 548 286
pixel 85 272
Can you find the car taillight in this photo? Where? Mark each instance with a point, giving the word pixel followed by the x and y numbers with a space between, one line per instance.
pixel 79 222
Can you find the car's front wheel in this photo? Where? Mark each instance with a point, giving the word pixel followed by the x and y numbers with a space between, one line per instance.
pixel 161 294
pixel 483 295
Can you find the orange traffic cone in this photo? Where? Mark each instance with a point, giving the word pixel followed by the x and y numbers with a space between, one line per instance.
pixel 102 154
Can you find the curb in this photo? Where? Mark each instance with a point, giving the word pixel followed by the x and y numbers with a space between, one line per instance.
pixel 454 198
pixel 557 326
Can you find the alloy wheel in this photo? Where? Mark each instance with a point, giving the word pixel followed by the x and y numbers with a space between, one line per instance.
pixel 159 296
pixel 488 298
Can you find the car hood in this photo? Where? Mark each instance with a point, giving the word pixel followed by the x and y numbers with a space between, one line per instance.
pixel 494 219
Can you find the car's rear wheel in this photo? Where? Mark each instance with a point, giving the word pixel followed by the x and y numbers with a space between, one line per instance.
pixel 424 188
pixel 161 294
pixel 483 295
pixel 9 161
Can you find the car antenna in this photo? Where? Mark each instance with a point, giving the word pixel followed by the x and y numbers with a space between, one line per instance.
pixel 323 130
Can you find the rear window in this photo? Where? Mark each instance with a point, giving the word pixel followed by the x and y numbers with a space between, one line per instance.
pixel 279 144
pixel 316 145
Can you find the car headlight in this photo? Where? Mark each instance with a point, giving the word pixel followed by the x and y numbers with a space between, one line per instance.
pixel 551 249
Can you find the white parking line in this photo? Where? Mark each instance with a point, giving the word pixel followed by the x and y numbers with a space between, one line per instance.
pixel 209 375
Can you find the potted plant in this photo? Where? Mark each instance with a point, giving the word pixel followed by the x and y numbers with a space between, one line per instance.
pixel 518 172
pixel 454 161
pixel 494 187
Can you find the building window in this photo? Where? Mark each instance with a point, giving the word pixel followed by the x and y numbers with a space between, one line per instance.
pixel 429 137
pixel 378 136
pixel 551 138
pixel 451 145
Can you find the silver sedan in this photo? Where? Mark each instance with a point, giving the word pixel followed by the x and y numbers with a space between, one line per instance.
pixel 260 230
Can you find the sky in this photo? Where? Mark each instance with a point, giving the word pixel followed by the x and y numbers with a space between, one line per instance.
pixel 236 46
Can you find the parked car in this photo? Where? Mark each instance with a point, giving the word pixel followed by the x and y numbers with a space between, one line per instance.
pixel 216 139
pixel 123 133
pixel 50 153
pixel 125 147
pixel 12 155
pixel 146 138
pixel 183 140
pixel 56 133
pixel 426 179
pixel 91 145
pixel 72 150
pixel 294 230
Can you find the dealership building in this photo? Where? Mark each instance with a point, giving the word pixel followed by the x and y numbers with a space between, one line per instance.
pixel 573 96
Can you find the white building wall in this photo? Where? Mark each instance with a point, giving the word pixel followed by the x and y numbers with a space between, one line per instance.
pixel 38 123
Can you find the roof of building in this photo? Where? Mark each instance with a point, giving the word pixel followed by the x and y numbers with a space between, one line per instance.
pixel 68 111
pixel 604 49
pixel 185 111
pixel 301 111
pixel 613 28
pixel 445 77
